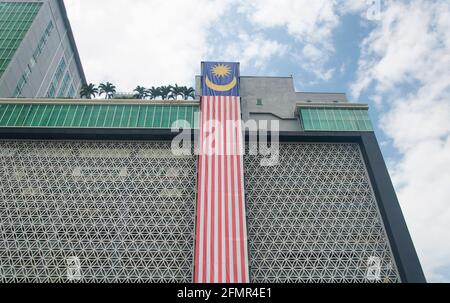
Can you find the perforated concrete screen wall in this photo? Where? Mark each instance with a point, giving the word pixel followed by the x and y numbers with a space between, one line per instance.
pixel 314 218
pixel 124 211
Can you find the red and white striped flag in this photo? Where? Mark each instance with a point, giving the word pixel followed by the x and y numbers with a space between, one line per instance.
pixel 221 254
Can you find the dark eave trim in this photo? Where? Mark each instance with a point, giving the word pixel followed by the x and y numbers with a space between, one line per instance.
pixel 35 133
pixel 401 243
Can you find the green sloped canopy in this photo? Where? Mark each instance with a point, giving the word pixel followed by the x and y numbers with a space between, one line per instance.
pixel 335 119
pixel 98 115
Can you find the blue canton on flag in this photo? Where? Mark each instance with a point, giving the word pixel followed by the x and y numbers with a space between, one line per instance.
pixel 220 79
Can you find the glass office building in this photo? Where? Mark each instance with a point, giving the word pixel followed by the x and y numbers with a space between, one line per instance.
pixel 38 55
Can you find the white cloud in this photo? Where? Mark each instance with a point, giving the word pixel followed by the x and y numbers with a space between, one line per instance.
pixel 304 19
pixel 368 8
pixel 396 51
pixel 311 23
pixel 153 42
pixel 314 60
pixel 411 48
pixel 143 42
pixel 254 50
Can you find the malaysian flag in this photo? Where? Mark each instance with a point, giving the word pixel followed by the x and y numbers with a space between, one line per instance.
pixel 221 254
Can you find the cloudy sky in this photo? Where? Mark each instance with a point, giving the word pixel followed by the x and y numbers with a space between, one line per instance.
pixel 394 55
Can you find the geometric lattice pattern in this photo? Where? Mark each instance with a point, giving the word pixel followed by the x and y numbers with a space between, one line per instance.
pixel 123 210
pixel 314 218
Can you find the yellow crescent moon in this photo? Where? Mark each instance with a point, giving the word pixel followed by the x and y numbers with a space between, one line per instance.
pixel 221 88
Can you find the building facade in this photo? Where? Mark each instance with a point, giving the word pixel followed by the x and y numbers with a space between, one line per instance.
pixel 38 55
pixel 92 191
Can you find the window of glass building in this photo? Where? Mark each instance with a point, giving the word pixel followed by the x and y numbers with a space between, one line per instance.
pixel 15 20
pixel 37 52
pixel 51 93
pixel 64 85
pixel 72 93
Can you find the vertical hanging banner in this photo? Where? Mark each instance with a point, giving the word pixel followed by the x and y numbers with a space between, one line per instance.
pixel 221 254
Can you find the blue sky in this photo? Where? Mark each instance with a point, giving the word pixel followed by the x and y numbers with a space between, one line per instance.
pixel 393 55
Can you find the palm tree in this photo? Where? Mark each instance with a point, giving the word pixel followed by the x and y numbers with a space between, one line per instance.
pixel 188 92
pixel 154 92
pixel 165 91
pixel 141 92
pixel 108 89
pixel 88 91
pixel 176 91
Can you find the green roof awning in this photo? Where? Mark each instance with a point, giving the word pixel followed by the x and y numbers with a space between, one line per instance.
pixel 85 115
pixel 334 119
